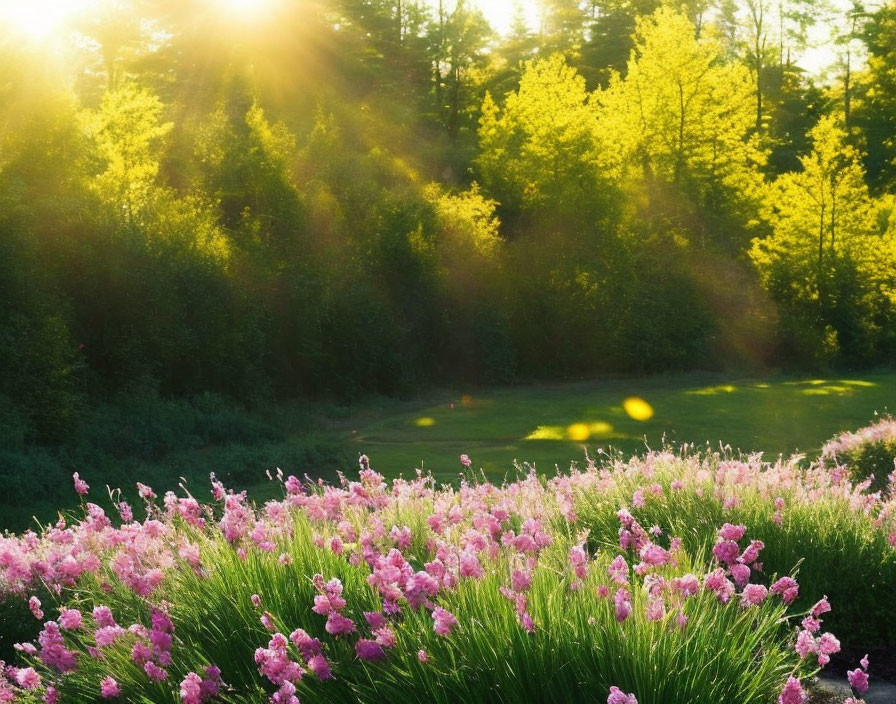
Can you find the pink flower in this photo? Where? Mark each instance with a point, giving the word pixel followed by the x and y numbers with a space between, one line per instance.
pixel 369 650
pixel 617 696
pixel 422 656
pixel 34 606
pixel 623 604
pixel 465 460
pixel 638 499
pixel 828 644
pixel 821 607
pixel 320 667
pixel 27 678
pixel 864 662
pixel 792 693
pixel 805 644
pixel 618 570
pixel 655 610
pixel 753 595
pixel 726 551
pixel 741 574
pixel 730 532
pixel 109 688
pixel 154 671
pixel 191 689
pixel 858 680
pixel 445 622
pixel 80 485
pixel 520 581
pixel 787 588
pixel 338 624
pixel 256 600
pixel 69 619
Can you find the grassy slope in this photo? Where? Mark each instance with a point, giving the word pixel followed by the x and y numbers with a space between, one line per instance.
pixel 775 415
pixel 539 423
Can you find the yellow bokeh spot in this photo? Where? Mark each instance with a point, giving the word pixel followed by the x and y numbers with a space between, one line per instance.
pixel 578 432
pixel 425 422
pixel 713 390
pixel 637 408
pixel 547 432
pixel 600 428
pixel 466 399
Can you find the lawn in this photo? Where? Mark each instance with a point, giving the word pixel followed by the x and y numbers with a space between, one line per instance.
pixel 555 424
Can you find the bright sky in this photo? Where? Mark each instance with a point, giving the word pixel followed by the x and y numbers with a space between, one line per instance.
pixel 500 12
pixel 40 19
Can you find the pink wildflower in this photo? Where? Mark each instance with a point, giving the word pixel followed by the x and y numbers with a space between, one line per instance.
pixel 619 570
pixel 753 595
pixel 821 607
pixel 27 678
pixel 422 656
pixel 623 604
pixel 805 644
pixel 34 607
pixel 465 460
pixel 787 588
pixel 109 688
pixel 733 533
pixel 369 650
pixel 191 689
pixel 828 644
pixel 858 680
pixel 792 693
pixel 444 621
pixel 338 624
pixel 617 696
pixel 80 485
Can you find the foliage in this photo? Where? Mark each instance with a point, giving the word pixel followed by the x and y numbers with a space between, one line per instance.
pixel 868 453
pixel 820 262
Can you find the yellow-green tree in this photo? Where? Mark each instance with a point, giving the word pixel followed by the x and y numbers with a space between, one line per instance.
pixel 822 260
pixel 126 132
pixel 682 115
pixel 543 149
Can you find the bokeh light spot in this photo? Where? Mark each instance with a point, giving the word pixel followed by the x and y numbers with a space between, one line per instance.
pixel 425 422
pixel 637 408
pixel 578 432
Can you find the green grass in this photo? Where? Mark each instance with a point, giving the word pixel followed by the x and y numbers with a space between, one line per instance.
pixel 157 441
pixel 777 415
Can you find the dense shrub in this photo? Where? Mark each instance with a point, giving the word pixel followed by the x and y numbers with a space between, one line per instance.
pixel 867 453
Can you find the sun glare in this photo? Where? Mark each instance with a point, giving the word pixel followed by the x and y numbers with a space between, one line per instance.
pixel 38 19
pixel 247 6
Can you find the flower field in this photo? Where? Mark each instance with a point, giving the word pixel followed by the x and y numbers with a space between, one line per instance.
pixel 678 576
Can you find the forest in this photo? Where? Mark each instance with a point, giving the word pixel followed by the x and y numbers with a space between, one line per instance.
pixel 334 198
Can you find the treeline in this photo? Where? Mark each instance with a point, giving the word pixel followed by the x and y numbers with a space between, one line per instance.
pixel 337 198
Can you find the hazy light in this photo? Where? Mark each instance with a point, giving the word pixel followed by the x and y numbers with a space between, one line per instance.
pixel 577 432
pixel 38 19
pixel 637 408
pixel 247 7
pixel 425 422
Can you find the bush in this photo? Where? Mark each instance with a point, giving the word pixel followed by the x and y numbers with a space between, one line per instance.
pixel 867 453
pixel 841 538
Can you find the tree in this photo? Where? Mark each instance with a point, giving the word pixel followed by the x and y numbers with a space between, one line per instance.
pixel 542 152
pixel 875 111
pixel 682 116
pixel 126 131
pixel 825 237
pixel 457 39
